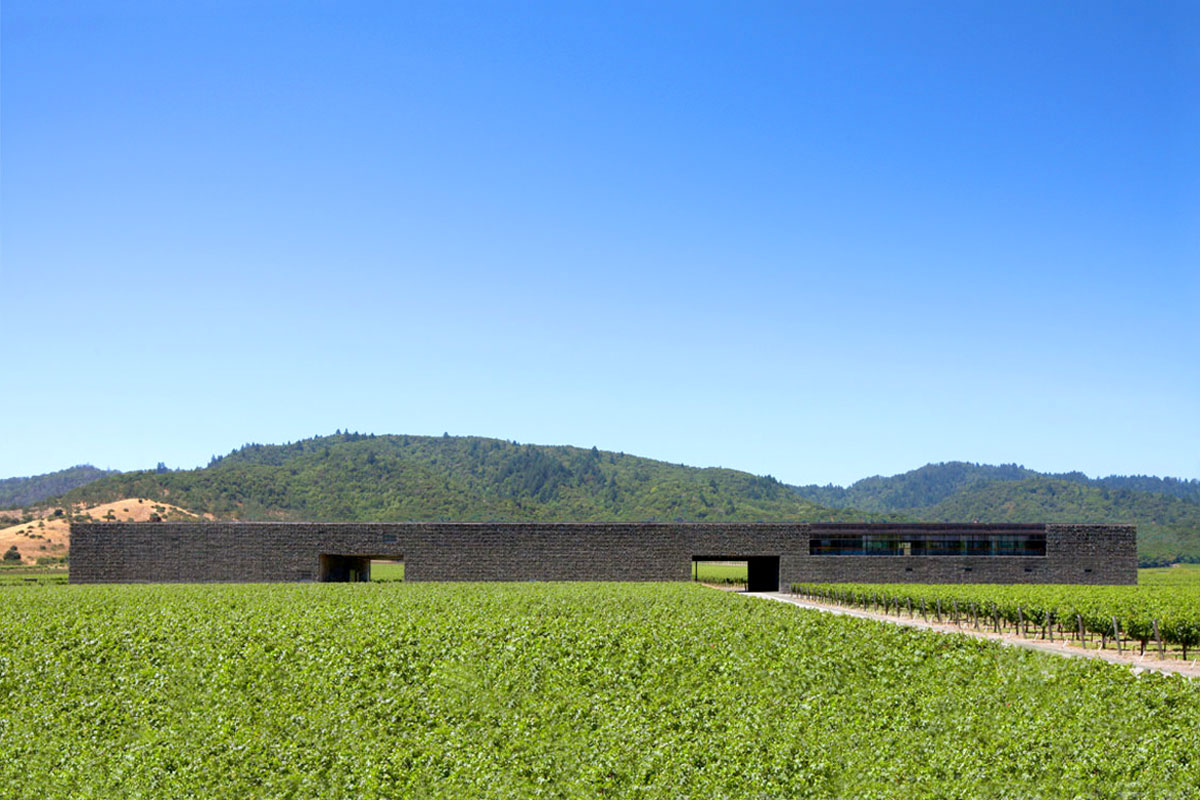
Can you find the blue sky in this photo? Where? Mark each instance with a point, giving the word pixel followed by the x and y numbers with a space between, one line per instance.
pixel 816 240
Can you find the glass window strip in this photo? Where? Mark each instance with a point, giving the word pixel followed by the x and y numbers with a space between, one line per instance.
pixel 930 544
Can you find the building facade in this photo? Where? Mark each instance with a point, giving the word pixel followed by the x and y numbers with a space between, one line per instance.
pixel 777 554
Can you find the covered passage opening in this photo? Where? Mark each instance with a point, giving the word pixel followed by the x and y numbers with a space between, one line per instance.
pixel 344 569
pixel 757 573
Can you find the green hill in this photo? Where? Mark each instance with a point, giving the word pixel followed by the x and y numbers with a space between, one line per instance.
pixel 918 488
pixel 1168 521
pixel 355 477
pixel 1168 528
pixel 18 492
pixel 1174 487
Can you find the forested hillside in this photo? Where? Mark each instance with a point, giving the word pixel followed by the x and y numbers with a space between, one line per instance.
pixel 917 488
pixel 362 477
pixel 1168 519
pixel 1168 528
pixel 17 492
pixel 1174 487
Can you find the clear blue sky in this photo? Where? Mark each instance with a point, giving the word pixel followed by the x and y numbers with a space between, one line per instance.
pixel 816 240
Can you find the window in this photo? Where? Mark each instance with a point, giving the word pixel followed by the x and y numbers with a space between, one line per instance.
pixel 925 543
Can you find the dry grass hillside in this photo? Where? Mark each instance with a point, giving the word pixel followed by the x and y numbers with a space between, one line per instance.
pixel 48 535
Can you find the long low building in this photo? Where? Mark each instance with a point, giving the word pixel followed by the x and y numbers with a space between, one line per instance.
pixel 776 553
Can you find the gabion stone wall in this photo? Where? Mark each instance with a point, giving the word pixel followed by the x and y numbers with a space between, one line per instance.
pixel 148 552
pixel 1089 554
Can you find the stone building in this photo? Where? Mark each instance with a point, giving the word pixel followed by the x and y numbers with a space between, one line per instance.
pixel 777 554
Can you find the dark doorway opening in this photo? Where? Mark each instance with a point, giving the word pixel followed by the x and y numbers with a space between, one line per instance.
pixel 762 572
pixel 344 569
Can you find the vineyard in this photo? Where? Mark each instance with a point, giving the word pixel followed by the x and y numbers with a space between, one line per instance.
pixel 730 574
pixel 390 690
pixel 720 573
pixel 1177 575
pixel 1164 616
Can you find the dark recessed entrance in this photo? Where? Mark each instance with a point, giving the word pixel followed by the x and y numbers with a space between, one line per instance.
pixel 344 569
pixel 762 572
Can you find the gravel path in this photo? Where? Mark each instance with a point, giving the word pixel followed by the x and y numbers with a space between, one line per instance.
pixel 1190 669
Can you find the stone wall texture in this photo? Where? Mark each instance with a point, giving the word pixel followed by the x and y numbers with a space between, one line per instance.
pixel 165 552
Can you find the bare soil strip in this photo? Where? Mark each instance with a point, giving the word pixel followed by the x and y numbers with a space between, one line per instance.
pixel 1190 669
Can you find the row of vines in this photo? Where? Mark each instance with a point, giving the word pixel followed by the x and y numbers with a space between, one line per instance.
pixel 553 690
pixel 1164 618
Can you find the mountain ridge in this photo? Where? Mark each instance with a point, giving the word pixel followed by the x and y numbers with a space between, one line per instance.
pixel 368 477
pixel 1168 520
pixel 29 490
pixel 864 493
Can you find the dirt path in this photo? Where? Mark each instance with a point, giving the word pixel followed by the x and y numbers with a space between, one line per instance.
pixel 1190 669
